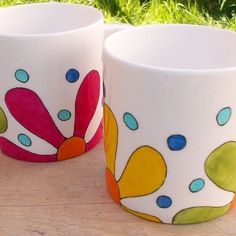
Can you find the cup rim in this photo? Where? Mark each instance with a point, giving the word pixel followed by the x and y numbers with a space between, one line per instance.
pixel 107 52
pixel 99 20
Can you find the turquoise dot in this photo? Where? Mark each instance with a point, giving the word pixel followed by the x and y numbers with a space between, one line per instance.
pixel 64 115
pixel 176 142
pixel 24 140
pixel 196 185
pixel 130 121
pixel 72 75
pixel 164 201
pixel 223 116
pixel 22 76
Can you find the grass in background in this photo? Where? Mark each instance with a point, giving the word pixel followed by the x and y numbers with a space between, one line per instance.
pixel 221 13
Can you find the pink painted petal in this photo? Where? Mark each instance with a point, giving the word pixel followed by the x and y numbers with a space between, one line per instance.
pixel 28 109
pixel 18 153
pixel 86 102
pixel 96 138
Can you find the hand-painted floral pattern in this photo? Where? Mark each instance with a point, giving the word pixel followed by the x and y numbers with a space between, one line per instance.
pixel 28 109
pixel 145 171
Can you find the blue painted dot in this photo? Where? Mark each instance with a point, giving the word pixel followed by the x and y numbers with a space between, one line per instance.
pixel 64 115
pixel 24 140
pixel 72 75
pixel 176 142
pixel 197 185
pixel 130 121
pixel 223 116
pixel 164 201
pixel 22 76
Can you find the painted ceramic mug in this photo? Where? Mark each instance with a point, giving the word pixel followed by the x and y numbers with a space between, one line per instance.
pixel 170 127
pixel 51 89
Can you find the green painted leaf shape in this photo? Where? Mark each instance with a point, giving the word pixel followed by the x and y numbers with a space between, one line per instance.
pixel 3 121
pixel 199 214
pixel 220 166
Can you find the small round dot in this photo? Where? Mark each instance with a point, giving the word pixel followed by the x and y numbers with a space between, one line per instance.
pixel 64 115
pixel 164 201
pixel 223 116
pixel 130 121
pixel 72 75
pixel 176 142
pixel 22 76
pixel 24 140
pixel 196 185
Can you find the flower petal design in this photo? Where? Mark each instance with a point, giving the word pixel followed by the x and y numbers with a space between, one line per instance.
pixel 110 138
pixel 112 186
pixel 18 153
pixel 220 166
pixel 142 215
pixel 72 147
pixel 144 173
pixel 199 214
pixel 27 108
pixel 233 204
pixel 96 138
pixel 86 102
pixel 3 121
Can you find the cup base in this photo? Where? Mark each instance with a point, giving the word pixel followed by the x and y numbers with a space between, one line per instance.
pixel 71 148
pixel 191 215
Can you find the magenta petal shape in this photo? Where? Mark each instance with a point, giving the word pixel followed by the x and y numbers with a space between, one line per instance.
pixel 18 153
pixel 27 108
pixel 95 139
pixel 86 102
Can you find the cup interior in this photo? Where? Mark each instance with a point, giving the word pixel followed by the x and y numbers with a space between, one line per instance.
pixel 179 47
pixel 46 18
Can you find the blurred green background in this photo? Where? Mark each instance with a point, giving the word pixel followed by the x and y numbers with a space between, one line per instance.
pixel 221 13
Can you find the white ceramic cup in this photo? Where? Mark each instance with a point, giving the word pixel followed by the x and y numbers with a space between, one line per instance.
pixel 170 123
pixel 50 76
pixel 111 28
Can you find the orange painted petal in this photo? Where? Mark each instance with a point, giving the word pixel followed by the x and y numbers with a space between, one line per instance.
pixel 112 186
pixel 142 215
pixel 145 172
pixel 233 204
pixel 110 138
pixel 70 148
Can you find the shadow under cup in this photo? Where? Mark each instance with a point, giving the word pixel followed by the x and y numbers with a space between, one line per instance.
pixel 51 89
pixel 170 127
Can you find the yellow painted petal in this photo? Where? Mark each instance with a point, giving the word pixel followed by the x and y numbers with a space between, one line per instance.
pixel 111 138
pixel 142 215
pixel 145 172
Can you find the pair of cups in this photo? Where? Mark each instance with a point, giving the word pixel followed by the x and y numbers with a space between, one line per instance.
pixel 168 101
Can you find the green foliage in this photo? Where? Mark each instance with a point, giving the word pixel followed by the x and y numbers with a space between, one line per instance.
pixel 218 8
pixel 220 13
